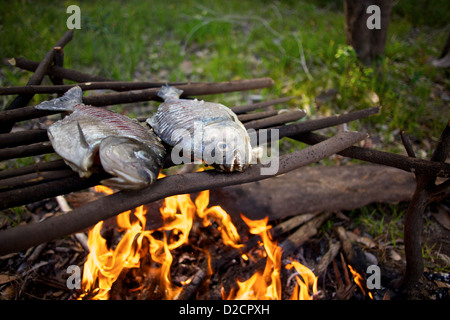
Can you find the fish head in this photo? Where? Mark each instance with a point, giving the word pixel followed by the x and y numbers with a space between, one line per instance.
pixel 226 146
pixel 133 164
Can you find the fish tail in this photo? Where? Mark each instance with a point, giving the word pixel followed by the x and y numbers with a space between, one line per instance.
pixel 167 92
pixel 65 103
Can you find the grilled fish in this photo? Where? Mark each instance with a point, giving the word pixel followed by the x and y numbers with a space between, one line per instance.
pixel 131 153
pixel 206 131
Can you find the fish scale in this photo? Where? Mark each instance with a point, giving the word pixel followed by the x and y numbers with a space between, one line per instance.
pixel 222 140
pixel 132 154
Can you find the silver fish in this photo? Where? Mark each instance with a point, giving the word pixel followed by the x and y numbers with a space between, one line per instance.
pixel 210 131
pixel 131 153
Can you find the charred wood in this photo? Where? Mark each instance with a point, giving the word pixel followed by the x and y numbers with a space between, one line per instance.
pixel 327 258
pixel 303 234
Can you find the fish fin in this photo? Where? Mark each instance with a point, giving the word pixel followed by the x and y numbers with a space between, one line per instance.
pixel 150 122
pixel 82 137
pixel 167 92
pixel 65 103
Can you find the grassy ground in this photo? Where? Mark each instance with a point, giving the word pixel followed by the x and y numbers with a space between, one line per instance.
pixel 300 44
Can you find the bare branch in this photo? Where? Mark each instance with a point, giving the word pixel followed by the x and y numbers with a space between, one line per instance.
pixel 86 86
pixel 194 89
pixel 407 144
pixel 55 71
pixel 259 105
pixel 23 99
pixel 409 164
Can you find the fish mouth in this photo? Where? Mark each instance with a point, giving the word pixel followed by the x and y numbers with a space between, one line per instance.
pixel 125 181
pixel 132 164
pixel 235 165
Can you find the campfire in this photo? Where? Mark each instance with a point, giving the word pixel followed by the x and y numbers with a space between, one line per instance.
pixel 196 250
pixel 142 259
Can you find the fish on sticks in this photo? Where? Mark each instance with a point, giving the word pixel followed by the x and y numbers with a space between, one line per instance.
pixel 92 136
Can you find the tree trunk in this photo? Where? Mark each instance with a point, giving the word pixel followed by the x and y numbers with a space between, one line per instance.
pixel 366 30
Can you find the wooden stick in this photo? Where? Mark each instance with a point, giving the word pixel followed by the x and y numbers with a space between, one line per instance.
pixel 414 214
pixel 29 194
pixel 22 237
pixel 311 125
pixel 259 105
pixel 303 234
pixel 190 290
pixel 327 258
pixel 37 167
pixel 415 165
pixel 280 118
pixel 26 151
pixel 55 71
pixel 407 144
pixel 23 99
pixel 35 178
pixel 58 60
pixel 86 86
pixel 257 115
pixel 14 139
pixel 346 244
pixel 270 121
pixel 194 89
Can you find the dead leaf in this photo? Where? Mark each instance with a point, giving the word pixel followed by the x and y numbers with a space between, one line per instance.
pixel 5 278
pixel 8 293
pixel 395 256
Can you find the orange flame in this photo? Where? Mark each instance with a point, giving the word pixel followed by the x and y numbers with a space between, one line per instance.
pixel 228 231
pixel 359 281
pixel 267 285
pixel 302 291
pixel 104 265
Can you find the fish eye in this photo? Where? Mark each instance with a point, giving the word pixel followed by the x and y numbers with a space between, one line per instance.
pixel 142 155
pixel 222 145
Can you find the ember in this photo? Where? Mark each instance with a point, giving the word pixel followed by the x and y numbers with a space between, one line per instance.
pixel 149 253
pixel 267 285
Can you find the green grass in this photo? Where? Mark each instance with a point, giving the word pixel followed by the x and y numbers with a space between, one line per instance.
pixel 381 221
pixel 300 44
